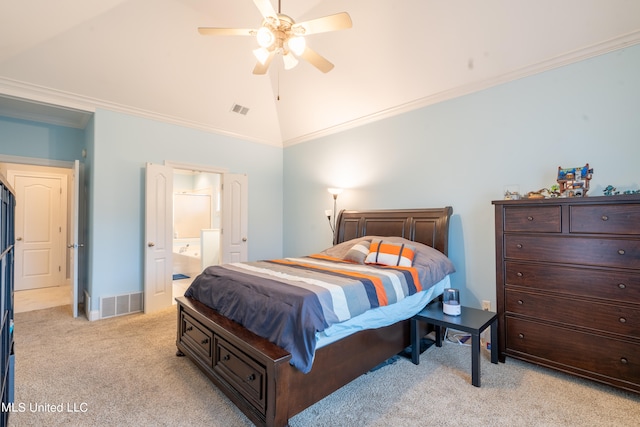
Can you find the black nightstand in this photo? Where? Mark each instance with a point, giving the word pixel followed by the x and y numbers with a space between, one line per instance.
pixel 470 320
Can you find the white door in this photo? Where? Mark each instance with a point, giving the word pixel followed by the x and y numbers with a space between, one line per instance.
pixel 75 245
pixel 39 231
pixel 234 218
pixel 158 284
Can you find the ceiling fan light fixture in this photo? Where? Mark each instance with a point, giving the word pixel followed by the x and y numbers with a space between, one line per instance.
pixel 265 37
pixel 297 44
pixel 289 60
pixel 279 34
pixel 261 54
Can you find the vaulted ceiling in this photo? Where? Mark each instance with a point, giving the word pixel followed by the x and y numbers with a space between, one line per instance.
pixel 146 57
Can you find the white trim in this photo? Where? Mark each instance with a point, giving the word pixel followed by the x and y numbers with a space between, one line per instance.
pixel 195 167
pixel 607 46
pixel 4 158
pixel 40 94
pixel 28 91
pixel 91 315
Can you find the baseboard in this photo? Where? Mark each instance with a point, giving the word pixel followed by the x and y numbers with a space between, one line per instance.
pixel 91 315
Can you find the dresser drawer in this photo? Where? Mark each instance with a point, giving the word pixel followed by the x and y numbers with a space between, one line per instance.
pixel 614 285
pixel 195 336
pixel 545 219
pixel 608 318
pixel 243 372
pixel 623 253
pixel 605 219
pixel 595 356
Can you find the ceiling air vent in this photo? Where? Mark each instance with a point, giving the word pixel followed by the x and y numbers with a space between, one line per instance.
pixel 237 108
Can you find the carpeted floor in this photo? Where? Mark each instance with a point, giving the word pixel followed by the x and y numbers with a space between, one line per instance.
pixel 123 371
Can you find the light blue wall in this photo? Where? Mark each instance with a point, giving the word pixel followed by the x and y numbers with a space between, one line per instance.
pixel 464 151
pixel 122 146
pixel 460 153
pixel 24 138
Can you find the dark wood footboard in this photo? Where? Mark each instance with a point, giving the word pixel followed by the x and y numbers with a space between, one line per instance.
pixel 251 371
pixel 256 375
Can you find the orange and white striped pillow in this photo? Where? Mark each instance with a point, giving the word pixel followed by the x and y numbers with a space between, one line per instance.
pixel 387 253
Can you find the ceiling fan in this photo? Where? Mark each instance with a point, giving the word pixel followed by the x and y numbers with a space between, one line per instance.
pixel 279 34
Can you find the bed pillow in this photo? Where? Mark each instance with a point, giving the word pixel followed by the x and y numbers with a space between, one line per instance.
pixel 432 265
pixel 388 253
pixel 358 252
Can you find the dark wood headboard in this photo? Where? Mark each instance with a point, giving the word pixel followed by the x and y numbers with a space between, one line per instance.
pixel 427 226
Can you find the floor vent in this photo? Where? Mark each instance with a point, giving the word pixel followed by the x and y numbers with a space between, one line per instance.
pixel 120 304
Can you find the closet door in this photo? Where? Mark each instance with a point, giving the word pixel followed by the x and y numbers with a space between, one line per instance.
pixel 39 231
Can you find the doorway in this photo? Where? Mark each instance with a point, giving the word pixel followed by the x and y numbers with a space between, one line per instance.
pixel 43 223
pixel 159 234
pixel 196 225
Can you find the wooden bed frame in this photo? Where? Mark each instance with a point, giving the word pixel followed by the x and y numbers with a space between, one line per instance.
pixel 255 373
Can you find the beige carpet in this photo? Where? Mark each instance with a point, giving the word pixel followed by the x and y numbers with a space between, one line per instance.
pixel 123 372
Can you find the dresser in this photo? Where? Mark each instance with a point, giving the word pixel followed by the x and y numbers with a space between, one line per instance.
pixel 568 285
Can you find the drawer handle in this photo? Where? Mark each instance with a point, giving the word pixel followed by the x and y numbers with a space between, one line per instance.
pixel 226 357
pixel 623 320
pixel 205 341
pixel 529 218
pixel 189 328
pixel 624 360
pixel 520 302
pixel 622 285
pixel 621 251
pixel 519 274
pixel 520 336
pixel 604 218
pixel 251 377
pixel 519 246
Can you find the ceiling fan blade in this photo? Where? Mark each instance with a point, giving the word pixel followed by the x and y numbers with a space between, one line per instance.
pixel 317 60
pixel 339 21
pixel 262 68
pixel 266 10
pixel 208 31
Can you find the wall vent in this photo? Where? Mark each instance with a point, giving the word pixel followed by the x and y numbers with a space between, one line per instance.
pixel 120 304
pixel 237 108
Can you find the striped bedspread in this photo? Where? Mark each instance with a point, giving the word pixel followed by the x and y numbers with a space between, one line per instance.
pixel 288 300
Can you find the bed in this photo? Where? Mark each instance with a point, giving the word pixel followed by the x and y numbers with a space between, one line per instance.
pixel 258 376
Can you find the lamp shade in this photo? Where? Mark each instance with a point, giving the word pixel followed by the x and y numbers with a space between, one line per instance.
pixel 265 37
pixel 261 54
pixel 297 45
pixel 290 61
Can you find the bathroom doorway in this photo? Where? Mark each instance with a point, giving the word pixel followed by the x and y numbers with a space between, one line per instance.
pixel 196 225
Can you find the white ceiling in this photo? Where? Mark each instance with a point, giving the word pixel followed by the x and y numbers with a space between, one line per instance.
pixel 145 57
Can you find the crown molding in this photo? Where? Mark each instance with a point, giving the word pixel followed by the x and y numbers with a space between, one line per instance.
pixel 76 110
pixel 578 55
pixel 68 104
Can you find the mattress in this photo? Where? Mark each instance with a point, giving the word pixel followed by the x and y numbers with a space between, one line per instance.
pixel 382 316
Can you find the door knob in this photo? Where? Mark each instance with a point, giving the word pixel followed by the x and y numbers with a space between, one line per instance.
pixel 244 239
pixel 151 244
pixel 18 238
